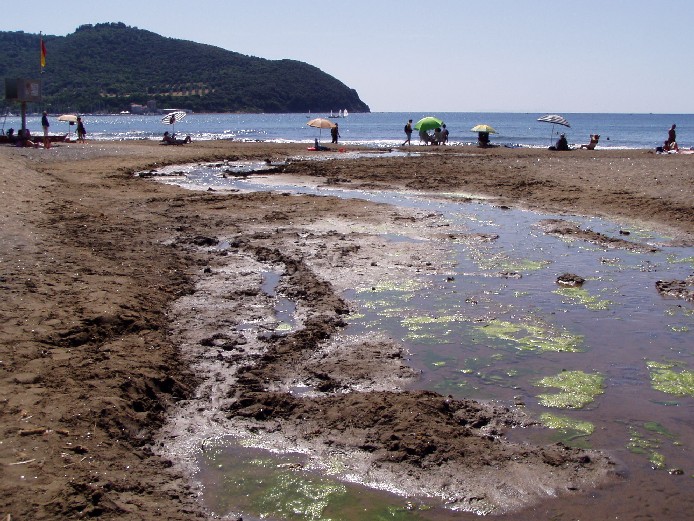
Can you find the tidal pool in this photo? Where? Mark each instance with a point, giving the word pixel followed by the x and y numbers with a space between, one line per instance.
pixel 498 327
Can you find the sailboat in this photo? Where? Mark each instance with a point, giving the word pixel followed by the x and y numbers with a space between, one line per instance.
pixel 345 113
pixel 333 115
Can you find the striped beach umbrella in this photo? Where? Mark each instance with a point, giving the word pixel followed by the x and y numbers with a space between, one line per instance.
pixel 554 119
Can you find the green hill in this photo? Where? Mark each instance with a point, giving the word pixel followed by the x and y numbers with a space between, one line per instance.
pixel 106 67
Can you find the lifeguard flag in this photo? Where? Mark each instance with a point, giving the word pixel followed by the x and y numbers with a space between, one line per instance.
pixel 43 54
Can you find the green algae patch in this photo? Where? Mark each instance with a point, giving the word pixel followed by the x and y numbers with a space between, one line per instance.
pixel 582 297
pixel 679 329
pixel 638 444
pixel 665 377
pixel 657 460
pixel 279 488
pixel 420 322
pixel 657 428
pixel 647 439
pixel 569 428
pixel 455 387
pixel 283 327
pixel 436 361
pixel 501 262
pixel 402 286
pixel 531 337
pixel 672 259
pixel 430 329
pixel 386 308
pixel 578 389
pixel 294 497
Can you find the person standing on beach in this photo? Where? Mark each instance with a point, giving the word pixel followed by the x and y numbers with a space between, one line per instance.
pixel 335 133
pixel 671 143
pixel 444 134
pixel 45 125
pixel 408 133
pixel 81 132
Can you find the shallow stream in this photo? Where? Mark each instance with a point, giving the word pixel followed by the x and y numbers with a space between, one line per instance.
pixel 607 365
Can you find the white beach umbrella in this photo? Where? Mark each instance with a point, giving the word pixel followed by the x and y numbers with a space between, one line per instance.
pixel 70 119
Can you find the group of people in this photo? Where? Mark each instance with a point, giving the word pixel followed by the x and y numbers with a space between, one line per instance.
pixel 563 144
pixel 81 131
pixel 669 145
pixel 439 137
pixel 23 138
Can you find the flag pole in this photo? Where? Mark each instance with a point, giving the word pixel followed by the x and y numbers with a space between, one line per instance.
pixel 42 64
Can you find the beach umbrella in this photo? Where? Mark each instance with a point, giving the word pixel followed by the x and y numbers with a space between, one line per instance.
pixel 483 128
pixel 320 124
pixel 554 119
pixel 172 118
pixel 70 119
pixel 428 123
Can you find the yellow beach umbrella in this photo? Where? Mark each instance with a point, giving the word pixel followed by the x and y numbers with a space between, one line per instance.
pixel 483 128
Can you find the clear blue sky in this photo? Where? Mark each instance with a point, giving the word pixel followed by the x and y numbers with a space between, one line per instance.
pixel 455 55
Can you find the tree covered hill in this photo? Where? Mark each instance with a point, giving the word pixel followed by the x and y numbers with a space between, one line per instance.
pixel 106 67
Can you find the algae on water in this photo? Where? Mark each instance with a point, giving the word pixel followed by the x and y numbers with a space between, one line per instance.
pixel 582 297
pixel 402 286
pixel 531 337
pixel 569 429
pixel 666 378
pixel 292 495
pixel 578 389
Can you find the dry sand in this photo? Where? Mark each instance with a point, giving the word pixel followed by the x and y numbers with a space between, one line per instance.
pixel 100 272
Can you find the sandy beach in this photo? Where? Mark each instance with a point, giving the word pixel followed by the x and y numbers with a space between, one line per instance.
pixel 100 269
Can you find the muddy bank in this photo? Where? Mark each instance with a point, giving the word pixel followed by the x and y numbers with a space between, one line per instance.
pixel 97 266
pixel 351 406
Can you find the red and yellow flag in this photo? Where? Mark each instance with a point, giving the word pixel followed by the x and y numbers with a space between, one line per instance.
pixel 43 53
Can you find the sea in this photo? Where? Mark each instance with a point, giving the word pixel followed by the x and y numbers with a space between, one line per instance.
pixel 384 129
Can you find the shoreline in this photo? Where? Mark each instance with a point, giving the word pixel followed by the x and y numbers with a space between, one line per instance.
pixel 622 131
pixel 95 258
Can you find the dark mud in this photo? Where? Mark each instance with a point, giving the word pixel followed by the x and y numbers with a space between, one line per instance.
pixel 99 279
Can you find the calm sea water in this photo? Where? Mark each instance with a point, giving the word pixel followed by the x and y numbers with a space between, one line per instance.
pixel 385 129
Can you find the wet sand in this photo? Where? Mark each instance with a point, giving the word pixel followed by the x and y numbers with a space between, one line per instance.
pixel 100 269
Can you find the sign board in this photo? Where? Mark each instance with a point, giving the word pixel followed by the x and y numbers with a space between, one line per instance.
pixel 22 89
